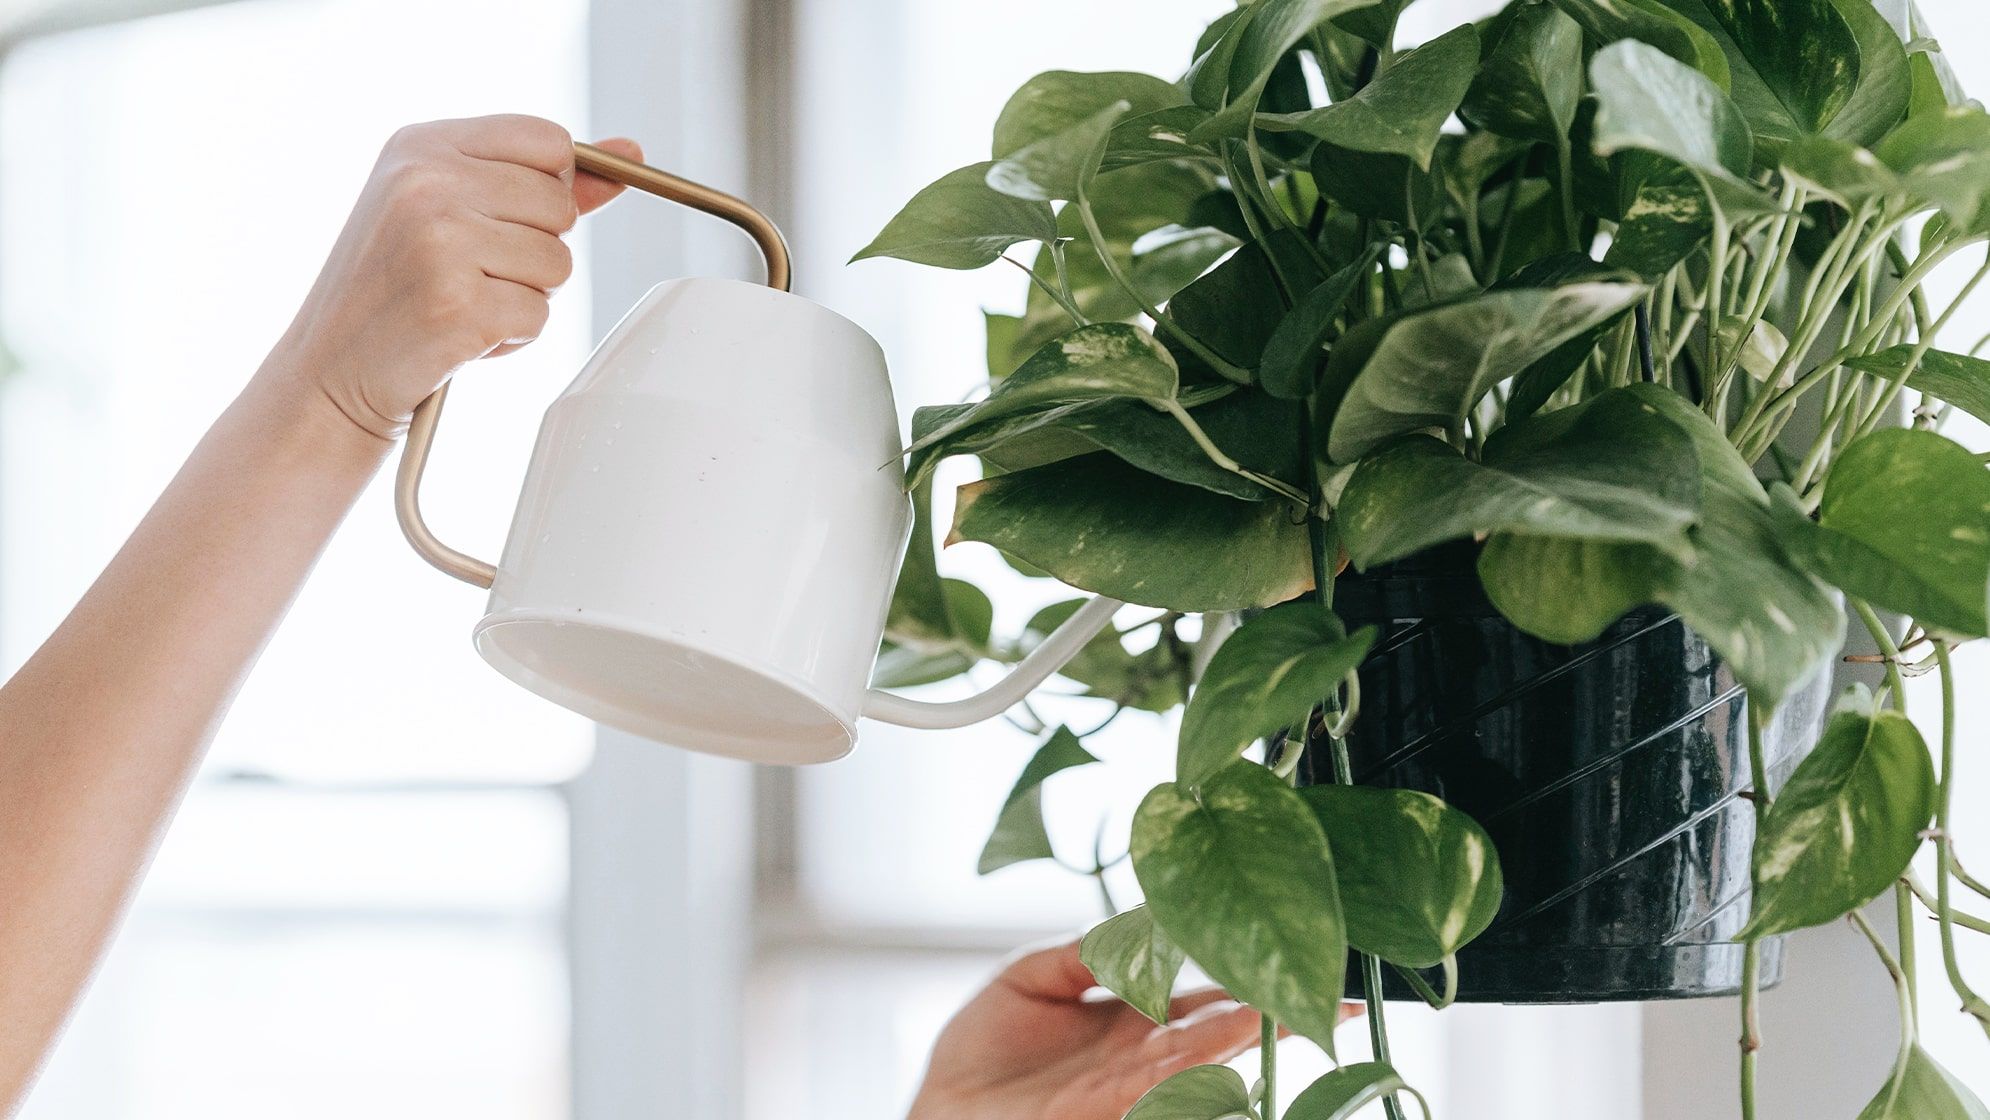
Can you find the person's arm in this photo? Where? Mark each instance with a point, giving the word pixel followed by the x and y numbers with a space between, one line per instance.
pixel 449 256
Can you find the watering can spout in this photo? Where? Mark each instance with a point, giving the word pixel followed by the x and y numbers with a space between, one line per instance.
pixel 705 547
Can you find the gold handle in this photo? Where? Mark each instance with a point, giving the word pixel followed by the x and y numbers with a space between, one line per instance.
pixel 421 428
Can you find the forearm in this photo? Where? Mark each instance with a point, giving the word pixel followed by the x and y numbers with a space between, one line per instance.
pixel 101 729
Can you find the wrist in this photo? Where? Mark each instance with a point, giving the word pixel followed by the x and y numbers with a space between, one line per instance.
pixel 294 408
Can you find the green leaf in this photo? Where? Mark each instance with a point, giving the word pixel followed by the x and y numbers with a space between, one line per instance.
pixel 1925 1091
pixel 1847 823
pixel 1905 524
pixel 1403 110
pixel 1736 587
pixel 1880 95
pixel 1131 958
pixel 1945 155
pixel 1378 184
pixel 1431 366
pixel 1235 308
pixel 1793 63
pixel 1534 386
pixel 959 222
pixel 1607 21
pixel 1345 1091
pixel 919 613
pixel 1004 337
pixel 1418 879
pixel 1669 219
pixel 1530 83
pixel 1295 351
pixel 1106 527
pixel 1159 135
pixel 1101 362
pixel 1958 379
pixel 1019 834
pixel 1057 100
pixel 1128 204
pixel 1611 468
pixel 1196 1093
pixel 1648 101
pixel 1149 681
pixel 1265 677
pixel 1261 40
pixel 1261 433
pixel 1053 167
pixel 1567 591
pixel 1240 877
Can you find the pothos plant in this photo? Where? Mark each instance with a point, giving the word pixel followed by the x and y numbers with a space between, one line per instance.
pixel 1632 291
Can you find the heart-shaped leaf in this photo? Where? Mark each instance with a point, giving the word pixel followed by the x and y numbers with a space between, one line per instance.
pixel 1262 37
pixel 1925 1091
pixel 1057 100
pixel 1531 82
pixel 1103 526
pixel 1847 823
pixel 1131 958
pixel 1378 185
pixel 1403 109
pixel 1651 22
pixel 1905 525
pixel 1159 135
pixel 1418 879
pixel 1884 87
pixel 1646 100
pixel 1668 219
pixel 1019 834
pixel 1265 677
pixel 1149 681
pixel 1055 166
pixel 1945 155
pixel 1294 352
pixel 1262 433
pixel 1737 586
pixel 1611 468
pixel 1239 876
pixel 1956 378
pixel 1568 591
pixel 1103 361
pixel 1793 63
pixel 1235 308
pixel 960 222
pixel 1430 367
pixel 1341 1093
pixel 1196 1093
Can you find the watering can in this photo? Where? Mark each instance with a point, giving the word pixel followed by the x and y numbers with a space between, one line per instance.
pixel 705 547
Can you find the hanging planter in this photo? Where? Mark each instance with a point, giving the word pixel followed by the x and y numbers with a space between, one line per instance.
pixel 1477 384
pixel 1612 777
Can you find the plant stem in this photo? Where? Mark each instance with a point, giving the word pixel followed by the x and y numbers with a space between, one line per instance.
pixel 1887 647
pixel 1217 456
pixel 1920 891
pixel 1371 967
pixel 1751 960
pixel 1903 989
pixel 1216 361
pixel 1268 1066
pixel 1565 169
pixel 1972 1004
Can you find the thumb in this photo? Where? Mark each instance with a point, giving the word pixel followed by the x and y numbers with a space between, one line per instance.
pixel 592 192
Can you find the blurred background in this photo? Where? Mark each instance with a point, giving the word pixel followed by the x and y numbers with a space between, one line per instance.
pixel 404 888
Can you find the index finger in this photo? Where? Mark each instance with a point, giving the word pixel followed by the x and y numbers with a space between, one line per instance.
pixel 512 138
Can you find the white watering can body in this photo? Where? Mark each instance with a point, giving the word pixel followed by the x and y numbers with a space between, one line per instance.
pixel 705 546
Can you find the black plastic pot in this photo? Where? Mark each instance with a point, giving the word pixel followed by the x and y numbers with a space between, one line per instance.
pixel 1609 774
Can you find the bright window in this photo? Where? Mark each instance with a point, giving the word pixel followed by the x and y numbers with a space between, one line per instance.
pixel 359 910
